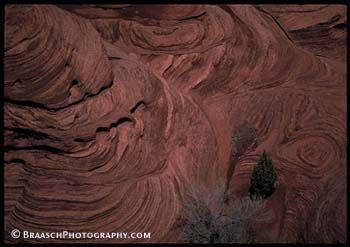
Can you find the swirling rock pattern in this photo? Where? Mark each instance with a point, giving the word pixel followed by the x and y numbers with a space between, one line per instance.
pixel 112 111
pixel 317 28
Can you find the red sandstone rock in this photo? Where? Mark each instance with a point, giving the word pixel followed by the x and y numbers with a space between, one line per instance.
pixel 111 111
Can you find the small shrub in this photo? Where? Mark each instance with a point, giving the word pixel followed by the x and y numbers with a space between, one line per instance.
pixel 207 219
pixel 243 137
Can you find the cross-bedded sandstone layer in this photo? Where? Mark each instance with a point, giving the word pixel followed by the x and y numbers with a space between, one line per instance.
pixel 113 111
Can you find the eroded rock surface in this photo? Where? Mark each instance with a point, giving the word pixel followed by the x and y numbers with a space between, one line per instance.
pixel 112 111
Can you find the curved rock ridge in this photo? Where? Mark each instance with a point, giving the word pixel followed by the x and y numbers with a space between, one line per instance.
pixel 89 162
pixel 320 29
pixel 113 111
pixel 52 75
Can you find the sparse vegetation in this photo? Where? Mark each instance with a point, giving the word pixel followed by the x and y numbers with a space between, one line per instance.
pixel 243 136
pixel 263 178
pixel 207 219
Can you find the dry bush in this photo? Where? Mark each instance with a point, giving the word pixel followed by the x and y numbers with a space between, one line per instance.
pixel 243 137
pixel 207 219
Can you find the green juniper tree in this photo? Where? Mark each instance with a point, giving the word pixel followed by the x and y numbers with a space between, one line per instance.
pixel 263 178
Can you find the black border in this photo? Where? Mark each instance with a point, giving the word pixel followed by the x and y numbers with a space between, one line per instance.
pixel 276 2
